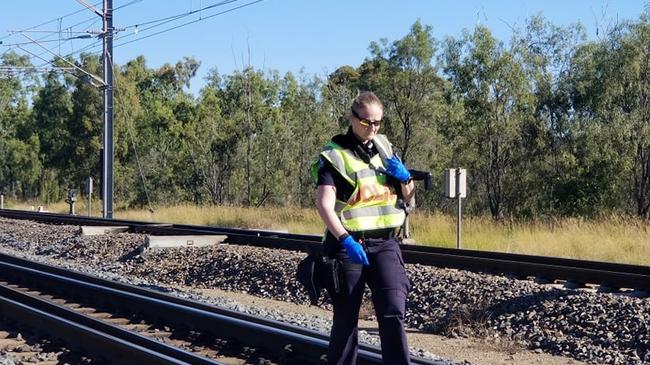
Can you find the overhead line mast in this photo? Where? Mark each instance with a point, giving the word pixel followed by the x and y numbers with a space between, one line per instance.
pixel 107 63
pixel 107 84
pixel 107 158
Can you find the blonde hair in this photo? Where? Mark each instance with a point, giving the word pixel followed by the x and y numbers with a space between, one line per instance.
pixel 366 98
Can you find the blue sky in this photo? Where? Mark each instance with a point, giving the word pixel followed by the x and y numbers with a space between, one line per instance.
pixel 290 35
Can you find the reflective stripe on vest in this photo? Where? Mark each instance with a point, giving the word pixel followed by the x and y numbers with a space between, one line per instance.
pixel 372 204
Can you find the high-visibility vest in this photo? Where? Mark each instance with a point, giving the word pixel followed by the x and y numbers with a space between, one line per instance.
pixel 373 203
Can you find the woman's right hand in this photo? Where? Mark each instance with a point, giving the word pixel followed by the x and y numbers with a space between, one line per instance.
pixel 355 251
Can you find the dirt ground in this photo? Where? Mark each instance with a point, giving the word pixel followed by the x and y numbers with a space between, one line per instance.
pixel 476 351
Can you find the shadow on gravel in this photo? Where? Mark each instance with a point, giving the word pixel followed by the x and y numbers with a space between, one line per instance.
pixel 135 255
pixel 522 303
pixel 473 317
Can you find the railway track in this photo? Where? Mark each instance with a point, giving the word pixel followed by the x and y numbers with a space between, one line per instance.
pixel 125 324
pixel 20 344
pixel 607 276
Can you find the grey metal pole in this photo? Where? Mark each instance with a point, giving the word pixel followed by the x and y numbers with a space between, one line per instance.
pixel 407 230
pixel 89 191
pixel 2 201
pixel 458 215
pixel 107 168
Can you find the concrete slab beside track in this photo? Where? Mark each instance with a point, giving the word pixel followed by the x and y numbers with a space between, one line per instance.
pixel 154 242
pixel 99 230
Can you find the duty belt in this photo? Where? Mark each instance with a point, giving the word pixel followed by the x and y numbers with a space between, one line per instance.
pixel 377 233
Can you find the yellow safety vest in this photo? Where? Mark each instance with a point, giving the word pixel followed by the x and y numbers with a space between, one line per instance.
pixel 373 203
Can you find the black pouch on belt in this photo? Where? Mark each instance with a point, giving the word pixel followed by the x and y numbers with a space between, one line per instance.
pixel 317 272
pixel 306 275
pixel 328 273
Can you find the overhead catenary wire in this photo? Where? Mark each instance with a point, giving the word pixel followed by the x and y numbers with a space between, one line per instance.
pixel 86 36
pixel 27 69
pixel 51 21
pixel 69 15
pixel 94 20
pixel 81 50
pixel 71 64
pixel 165 20
pixel 65 30
pixel 159 22
pixel 63 69
pixel 190 22
pixel 180 15
pixel 47 38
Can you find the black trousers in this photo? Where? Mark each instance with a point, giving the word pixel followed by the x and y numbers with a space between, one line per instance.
pixel 389 285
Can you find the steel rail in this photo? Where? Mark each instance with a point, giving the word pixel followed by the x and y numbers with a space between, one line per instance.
pixel 177 316
pixel 180 301
pixel 57 218
pixel 77 335
pixel 305 345
pixel 613 275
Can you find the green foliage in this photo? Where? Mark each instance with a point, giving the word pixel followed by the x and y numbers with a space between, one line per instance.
pixel 498 105
pixel 19 151
pixel 547 124
pixel 51 114
pixel 85 126
pixel 50 190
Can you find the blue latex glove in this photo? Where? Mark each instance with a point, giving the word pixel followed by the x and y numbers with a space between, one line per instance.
pixel 355 251
pixel 396 169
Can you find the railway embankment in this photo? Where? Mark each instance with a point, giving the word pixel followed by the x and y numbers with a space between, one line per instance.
pixel 611 328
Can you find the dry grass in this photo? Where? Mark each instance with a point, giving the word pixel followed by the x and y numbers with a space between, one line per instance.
pixel 285 219
pixel 613 239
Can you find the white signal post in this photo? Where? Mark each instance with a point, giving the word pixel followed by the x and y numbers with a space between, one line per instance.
pixel 456 187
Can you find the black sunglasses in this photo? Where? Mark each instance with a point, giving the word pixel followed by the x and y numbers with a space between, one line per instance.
pixel 365 122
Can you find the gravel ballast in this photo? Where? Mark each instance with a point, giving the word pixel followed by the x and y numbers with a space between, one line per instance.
pixel 592 327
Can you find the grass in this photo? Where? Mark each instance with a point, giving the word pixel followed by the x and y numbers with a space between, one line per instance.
pixel 612 239
pixel 288 219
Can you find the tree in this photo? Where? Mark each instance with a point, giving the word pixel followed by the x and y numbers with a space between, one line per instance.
pixel 498 101
pixel 212 144
pixel 14 113
pixel 309 123
pixel 342 86
pixel 85 125
pixel 403 75
pixel 50 120
pixel 614 89
pixel 545 52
